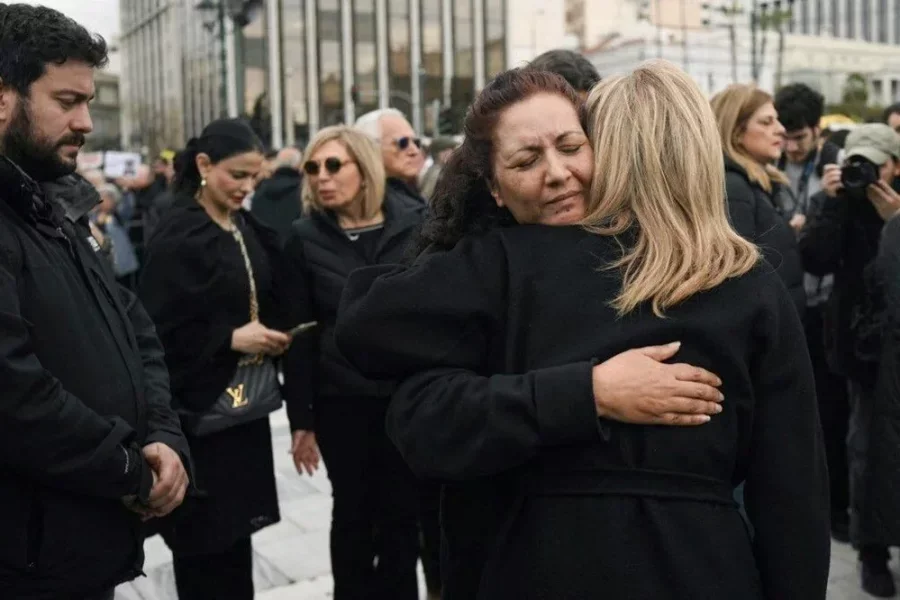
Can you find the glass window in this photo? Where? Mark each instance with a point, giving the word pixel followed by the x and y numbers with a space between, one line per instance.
pixel 331 93
pixel 365 56
pixel 398 47
pixel 495 39
pixel 293 52
pixel 255 60
pixel 817 26
pixel 432 62
pixel 804 15
pixel 882 21
pixel 851 18
pixel 866 20
pixel 463 86
pixel 835 18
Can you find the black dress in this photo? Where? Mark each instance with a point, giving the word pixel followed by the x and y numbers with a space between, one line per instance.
pixel 497 338
pixel 196 289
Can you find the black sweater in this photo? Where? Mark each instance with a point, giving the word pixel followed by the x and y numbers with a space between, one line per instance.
pixel 496 339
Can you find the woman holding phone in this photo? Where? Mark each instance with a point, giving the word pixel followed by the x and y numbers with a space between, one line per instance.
pixel 214 285
pixel 351 221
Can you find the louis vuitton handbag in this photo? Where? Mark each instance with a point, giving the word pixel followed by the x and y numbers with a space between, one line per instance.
pixel 253 392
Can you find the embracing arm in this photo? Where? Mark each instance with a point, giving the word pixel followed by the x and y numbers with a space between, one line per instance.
pixel 787 481
pixel 432 325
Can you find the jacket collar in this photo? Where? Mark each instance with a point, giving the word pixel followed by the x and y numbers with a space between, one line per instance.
pixel 72 195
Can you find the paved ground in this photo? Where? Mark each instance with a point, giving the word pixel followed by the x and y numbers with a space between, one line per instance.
pixel 291 558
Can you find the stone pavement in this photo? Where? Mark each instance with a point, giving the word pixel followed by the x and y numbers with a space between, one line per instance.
pixel 291 558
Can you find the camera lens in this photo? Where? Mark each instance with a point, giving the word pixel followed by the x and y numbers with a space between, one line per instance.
pixel 858 173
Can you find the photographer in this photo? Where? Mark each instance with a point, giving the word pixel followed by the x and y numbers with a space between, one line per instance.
pixel 842 238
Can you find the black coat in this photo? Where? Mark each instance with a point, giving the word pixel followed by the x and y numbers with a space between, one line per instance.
pixel 320 259
pixel 196 289
pixel 842 238
pixel 276 201
pixel 83 378
pixel 497 339
pixel 877 501
pixel 757 217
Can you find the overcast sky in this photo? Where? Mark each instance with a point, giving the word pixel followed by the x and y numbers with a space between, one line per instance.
pixel 99 16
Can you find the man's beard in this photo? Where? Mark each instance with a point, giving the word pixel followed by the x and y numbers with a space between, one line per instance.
pixel 36 155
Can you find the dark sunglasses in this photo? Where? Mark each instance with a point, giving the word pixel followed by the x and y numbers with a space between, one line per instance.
pixel 403 143
pixel 332 164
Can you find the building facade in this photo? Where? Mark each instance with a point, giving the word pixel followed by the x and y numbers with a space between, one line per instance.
pixel 294 66
pixel 337 59
pixel 151 73
pixel 105 113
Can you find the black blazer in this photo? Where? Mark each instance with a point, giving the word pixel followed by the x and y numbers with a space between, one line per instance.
pixel 496 340
pixel 320 258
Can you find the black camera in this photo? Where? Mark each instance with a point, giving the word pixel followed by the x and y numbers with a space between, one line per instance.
pixel 858 173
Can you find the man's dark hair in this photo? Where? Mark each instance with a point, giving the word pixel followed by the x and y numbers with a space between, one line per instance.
pixel 893 109
pixel 571 66
pixel 271 154
pixel 799 106
pixel 31 37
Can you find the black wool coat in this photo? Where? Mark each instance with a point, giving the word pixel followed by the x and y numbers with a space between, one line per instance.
pixel 496 340
pixel 758 218
pixel 195 287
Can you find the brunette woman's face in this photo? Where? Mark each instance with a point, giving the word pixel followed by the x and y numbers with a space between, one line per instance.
pixel 763 136
pixel 230 181
pixel 542 161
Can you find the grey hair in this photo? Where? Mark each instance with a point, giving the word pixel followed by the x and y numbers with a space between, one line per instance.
pixel 112 191
pixel 370 123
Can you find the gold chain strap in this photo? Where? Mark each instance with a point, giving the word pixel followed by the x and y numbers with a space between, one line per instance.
pixel 254 301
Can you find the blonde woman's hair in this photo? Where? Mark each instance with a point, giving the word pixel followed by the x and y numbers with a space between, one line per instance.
pixel 367 156
pixel 733 107
pixel 659 170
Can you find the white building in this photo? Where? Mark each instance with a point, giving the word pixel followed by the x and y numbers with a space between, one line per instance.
pixel 824 41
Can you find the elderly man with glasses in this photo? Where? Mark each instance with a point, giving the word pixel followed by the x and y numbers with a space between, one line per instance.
pixel 401 151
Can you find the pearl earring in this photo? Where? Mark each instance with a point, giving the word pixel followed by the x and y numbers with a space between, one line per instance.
pixel 203 182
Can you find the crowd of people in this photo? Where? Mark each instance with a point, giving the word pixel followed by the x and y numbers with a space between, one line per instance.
pixel 620 339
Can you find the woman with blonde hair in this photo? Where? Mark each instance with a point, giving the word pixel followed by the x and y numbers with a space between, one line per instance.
pixel 759 196
pixel 351 222
pixel 551 498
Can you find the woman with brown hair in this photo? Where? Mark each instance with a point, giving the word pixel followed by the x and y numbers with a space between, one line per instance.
pixel 759 197
pixel 549 498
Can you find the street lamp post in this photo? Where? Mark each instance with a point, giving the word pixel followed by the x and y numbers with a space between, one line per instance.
pixel 213 14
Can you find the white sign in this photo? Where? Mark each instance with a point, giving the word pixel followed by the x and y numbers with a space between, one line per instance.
pixel 121 164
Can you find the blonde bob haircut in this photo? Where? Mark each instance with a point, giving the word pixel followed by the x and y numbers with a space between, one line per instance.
pixel 367 156
pixel 734 107
pixel 660 171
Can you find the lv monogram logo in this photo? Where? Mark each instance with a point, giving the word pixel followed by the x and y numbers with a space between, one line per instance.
pixel 238 399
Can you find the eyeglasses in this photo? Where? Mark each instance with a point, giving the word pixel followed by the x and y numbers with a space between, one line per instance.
pixel 332 164
pixel 403 142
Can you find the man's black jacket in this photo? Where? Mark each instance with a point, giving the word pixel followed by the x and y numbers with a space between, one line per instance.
pixel 84 387
pixel 842 238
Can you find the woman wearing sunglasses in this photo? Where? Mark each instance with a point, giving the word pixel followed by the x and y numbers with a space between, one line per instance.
pixel 352 221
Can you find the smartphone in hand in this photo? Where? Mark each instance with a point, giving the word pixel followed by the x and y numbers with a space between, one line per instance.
pixel 295 331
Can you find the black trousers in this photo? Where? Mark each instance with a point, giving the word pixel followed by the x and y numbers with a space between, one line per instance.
pixel 430 528
pixel 374 533
pixel 834 412
pixel 227 574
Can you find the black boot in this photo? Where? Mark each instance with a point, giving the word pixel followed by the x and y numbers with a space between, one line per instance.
pixel 876 577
